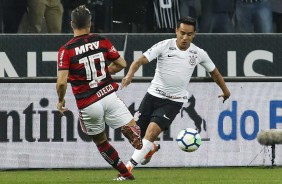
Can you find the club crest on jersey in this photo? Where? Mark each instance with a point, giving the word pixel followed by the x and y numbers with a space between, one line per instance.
pixel 172 48
pixel 192 60
pixel 113 49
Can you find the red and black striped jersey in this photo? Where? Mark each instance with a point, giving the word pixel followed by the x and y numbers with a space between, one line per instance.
pixel 86 59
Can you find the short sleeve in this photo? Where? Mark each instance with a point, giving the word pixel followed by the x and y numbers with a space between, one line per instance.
pixel 112 51
pixel 156 50
pixel 63 59
pixel 206 61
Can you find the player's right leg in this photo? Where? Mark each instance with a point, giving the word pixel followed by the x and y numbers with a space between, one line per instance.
pixel 161 118
pixel 132 133
pixel 151 135
pixel 149 155
pixel 117 115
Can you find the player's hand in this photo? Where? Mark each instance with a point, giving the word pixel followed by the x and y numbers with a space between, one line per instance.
pixel 225 96
pixel 125 81
pixel 61 107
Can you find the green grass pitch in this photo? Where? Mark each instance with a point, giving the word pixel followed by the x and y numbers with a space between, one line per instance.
pixel 209 175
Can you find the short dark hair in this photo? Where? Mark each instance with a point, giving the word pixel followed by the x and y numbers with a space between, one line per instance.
pixel 81 17
pixel 187 20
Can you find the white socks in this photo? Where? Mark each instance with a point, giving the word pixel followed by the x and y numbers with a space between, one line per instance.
pixel 138 155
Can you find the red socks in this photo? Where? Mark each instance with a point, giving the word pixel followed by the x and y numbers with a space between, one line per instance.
pixel 111 156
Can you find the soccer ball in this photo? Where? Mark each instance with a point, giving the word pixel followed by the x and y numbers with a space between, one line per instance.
pixel 188 140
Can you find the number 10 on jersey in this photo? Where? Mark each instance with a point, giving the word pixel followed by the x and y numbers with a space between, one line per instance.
pixel 91 70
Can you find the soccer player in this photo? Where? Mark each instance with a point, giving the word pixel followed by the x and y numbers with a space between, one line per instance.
pixel 176 61
pixel 82 60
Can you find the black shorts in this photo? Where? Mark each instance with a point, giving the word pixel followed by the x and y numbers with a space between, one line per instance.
pixel 158 110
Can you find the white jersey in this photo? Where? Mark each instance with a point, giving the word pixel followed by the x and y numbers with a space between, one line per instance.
pixel 175 68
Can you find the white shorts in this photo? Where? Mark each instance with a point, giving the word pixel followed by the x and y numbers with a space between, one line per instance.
pixel 109 110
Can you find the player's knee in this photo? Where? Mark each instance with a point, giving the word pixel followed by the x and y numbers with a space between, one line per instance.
pixel 99 138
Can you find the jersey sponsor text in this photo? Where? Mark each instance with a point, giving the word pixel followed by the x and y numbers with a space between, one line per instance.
pixel 86 47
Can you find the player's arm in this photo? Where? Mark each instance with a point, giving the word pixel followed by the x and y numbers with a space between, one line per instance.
pixel 117 65
pixel 217 77
pixel 61 87
pixel 133 68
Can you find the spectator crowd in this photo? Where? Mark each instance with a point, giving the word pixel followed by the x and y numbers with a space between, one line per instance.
pixel 145 16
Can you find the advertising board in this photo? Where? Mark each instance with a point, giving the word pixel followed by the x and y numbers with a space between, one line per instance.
pixel 234 54
pixel 34 135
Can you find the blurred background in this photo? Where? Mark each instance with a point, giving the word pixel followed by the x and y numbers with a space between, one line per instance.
pixel 143 16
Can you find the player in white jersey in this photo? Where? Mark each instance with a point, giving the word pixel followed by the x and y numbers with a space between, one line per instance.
pixel 176 61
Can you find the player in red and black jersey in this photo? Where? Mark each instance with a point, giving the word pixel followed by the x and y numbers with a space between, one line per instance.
pixel 83 60
pixel 85 57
